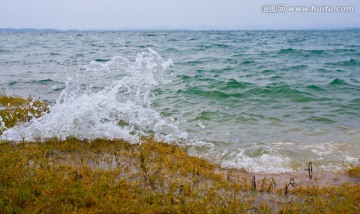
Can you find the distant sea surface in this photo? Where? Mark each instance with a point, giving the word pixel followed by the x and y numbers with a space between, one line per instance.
pixel 264 101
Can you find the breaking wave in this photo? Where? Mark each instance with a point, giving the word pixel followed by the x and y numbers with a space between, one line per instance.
pixel 121 109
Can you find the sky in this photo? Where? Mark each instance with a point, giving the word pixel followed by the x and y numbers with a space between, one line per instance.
pixel 173 14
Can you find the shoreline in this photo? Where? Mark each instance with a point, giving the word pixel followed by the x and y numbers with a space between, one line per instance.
pixel 102 175
pixel 75 175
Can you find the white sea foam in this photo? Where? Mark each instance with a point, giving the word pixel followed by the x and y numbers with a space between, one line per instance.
pixel 2 124
pixel 122 109
pixel 277 157
pixel 263 164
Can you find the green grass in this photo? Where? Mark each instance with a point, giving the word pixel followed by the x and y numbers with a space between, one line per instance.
pixel 114 176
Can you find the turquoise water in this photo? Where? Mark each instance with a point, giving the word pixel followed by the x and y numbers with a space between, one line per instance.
pixel 266 101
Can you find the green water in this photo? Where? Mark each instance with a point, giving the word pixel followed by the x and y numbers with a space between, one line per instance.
pixel 265 101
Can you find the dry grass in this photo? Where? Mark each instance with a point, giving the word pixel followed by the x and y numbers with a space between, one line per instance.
pixel 354 171
pixel 111 176
pixel 115 176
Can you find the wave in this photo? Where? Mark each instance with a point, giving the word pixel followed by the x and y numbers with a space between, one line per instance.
pixel 267 71
pixel 13 83
pixel 278 157
pixel 282 92
pixel 287 51
pixel 351 62
pixel 248 62
pixel 316 88
pixel 41 82
pixel 222 45
pixel 344 50
pixel 356 101
pixel 102 60
pixel 338 82
pixel 234 84
pixel 346 63
pixel 298 67
pixel 315 51
pixel 320 119
pixel 213 94
pixel 121 110
pixel 247 92
pixel 304 52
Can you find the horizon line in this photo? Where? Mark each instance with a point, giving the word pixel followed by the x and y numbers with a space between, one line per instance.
pixel 29 29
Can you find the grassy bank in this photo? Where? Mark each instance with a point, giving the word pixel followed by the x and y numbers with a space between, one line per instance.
pixel 115 176
pixel 105 176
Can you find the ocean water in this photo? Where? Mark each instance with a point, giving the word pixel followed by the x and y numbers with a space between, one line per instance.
pixel 264 101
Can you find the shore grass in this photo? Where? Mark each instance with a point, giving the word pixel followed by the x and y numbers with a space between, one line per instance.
pixel 17 109
pixel 114 176
pixel 354 171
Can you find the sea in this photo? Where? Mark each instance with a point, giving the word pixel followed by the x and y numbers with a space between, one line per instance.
pixel 262 101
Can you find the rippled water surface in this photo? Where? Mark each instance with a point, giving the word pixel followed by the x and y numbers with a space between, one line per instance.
pixel 266 101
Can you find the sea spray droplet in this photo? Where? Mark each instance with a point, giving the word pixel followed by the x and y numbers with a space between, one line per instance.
pixel 122 109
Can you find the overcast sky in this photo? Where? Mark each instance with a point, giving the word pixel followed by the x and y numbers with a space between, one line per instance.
pixel 171 14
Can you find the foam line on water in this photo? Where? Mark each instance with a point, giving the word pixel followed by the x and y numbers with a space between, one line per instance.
pixel 277 157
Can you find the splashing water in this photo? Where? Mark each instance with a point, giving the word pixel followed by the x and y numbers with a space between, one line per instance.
pixel 2 124
pixel 121 109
